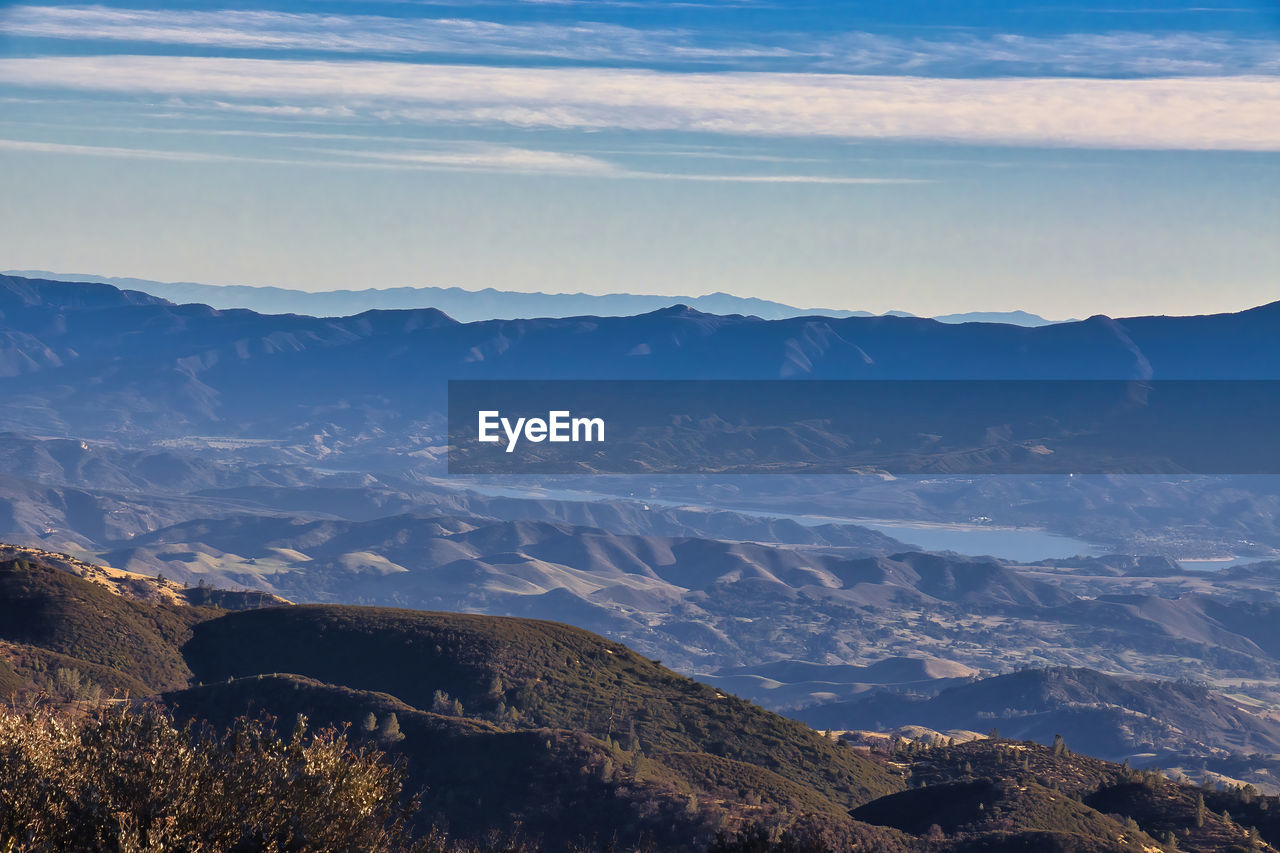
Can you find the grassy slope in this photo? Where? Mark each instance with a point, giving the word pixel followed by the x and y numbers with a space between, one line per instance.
pixel 33 666
pixel 59 612
pixel 557 785
pixel 553 675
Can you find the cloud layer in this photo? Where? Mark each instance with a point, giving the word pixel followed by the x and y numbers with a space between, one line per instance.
pixel 1224 113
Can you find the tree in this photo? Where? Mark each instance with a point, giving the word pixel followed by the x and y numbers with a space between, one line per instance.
pixel 441 703
pixel 389 730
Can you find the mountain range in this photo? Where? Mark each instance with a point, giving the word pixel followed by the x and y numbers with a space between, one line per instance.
pixel 488 304
pixel 376 381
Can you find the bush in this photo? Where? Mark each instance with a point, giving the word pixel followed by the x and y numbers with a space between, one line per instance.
pixel 131 781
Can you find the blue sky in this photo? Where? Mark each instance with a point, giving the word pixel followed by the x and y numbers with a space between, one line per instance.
pixel 1068 158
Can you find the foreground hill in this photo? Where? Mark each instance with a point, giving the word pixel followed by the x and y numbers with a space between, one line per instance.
pixel 88 626
pixel 510 722
pixel 538 674
pixel 574 736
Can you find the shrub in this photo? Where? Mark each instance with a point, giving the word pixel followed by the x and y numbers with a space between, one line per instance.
pixel 131 781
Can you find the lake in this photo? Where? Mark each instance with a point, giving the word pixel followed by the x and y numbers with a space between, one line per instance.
pixel 1022 544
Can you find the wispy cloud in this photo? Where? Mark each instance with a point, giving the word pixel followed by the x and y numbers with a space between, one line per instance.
pixel 269 30
pixel 1236 113
pixel 465 158
pixel 502 158
pixel 289 110
pixel 493 158
pixel 41 147
pixel 1072 54
pixel 960 54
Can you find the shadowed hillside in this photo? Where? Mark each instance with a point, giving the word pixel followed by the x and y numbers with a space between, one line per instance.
pixel 536 674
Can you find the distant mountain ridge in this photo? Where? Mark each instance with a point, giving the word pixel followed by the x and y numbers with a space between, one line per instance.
pixel 88 359
pixel 469 306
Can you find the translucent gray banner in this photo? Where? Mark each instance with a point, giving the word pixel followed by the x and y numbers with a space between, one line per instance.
pixel 894 427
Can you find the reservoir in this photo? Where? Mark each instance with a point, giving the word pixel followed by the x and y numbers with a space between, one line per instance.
pixel 1021 544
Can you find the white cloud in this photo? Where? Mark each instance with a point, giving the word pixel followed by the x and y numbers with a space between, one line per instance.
pixel 1235 113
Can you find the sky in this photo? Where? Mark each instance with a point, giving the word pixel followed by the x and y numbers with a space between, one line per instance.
pixel 1065 157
